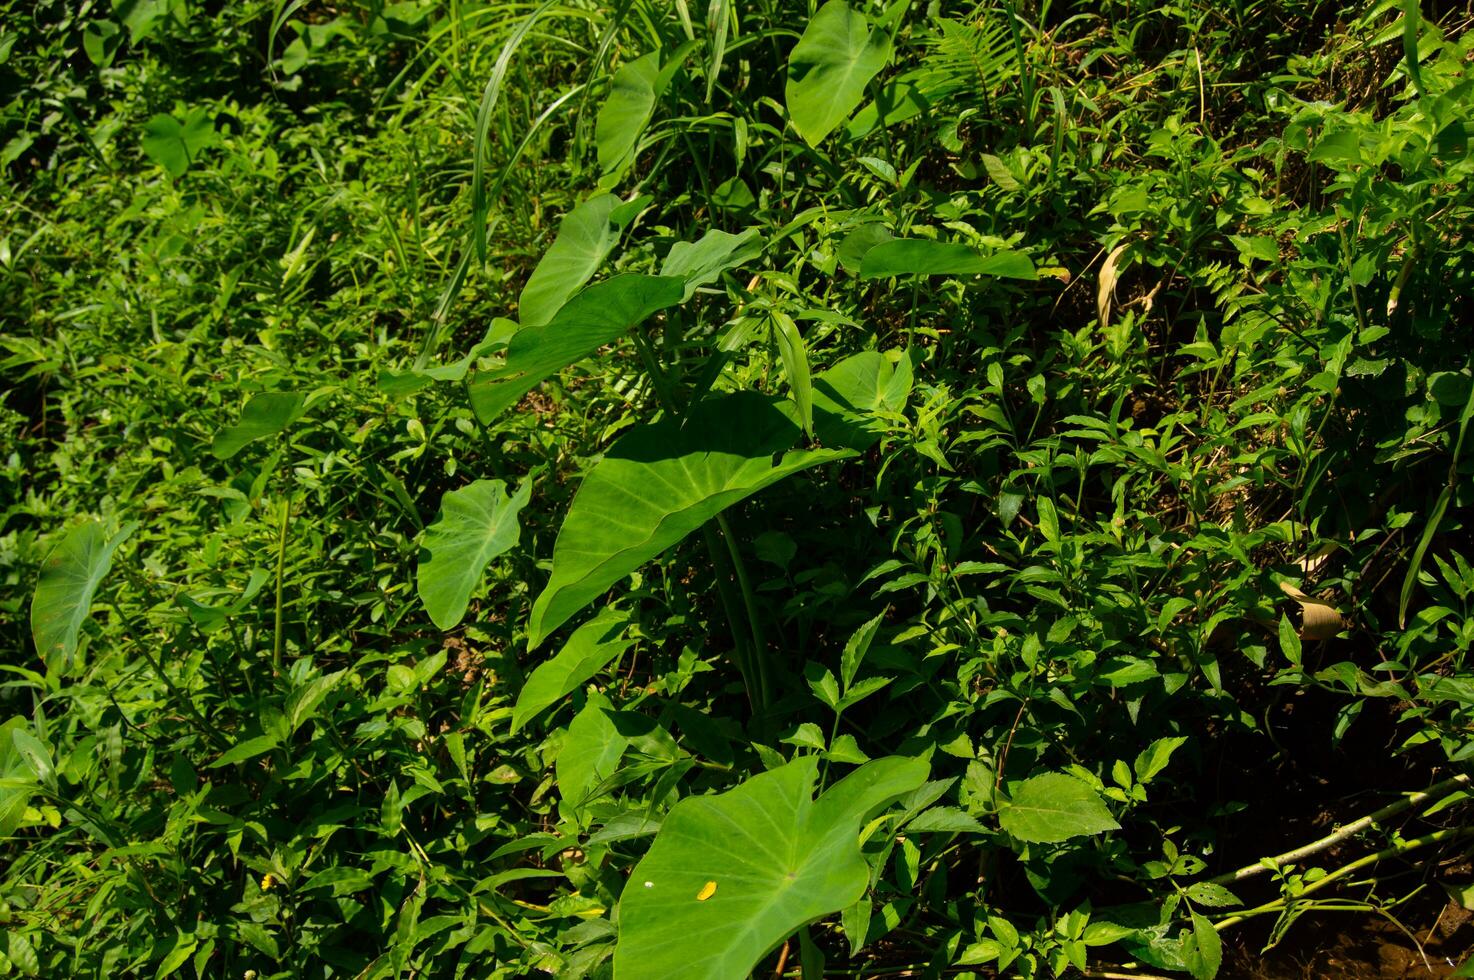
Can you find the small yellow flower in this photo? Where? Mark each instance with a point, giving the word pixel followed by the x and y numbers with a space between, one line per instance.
pixel 267 881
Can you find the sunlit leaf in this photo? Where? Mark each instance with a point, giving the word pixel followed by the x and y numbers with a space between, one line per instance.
pixel 265 414
pixel 829 67
pixel 477 523
pixel 704 260
pixel 731 876
pixel 593 318
pixel 924 257
pixel 1054 807
pixel 586 236
pixel 69 579
pixel 659 483
pixel 587 652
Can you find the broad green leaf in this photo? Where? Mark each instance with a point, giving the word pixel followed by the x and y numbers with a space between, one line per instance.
pixel 586 236
pixel 593 318
pixel 829 67
pixel 795 357
pixel 173 143
pixel 69 579
pixel 625 113
pixel 590 752
pixel 477 523
pixel 265 414
pixel 730 876
pixel 856 244
pixel 397 384
pixel 704 260
pixel 1054 807
pixel 847 396
pixel 924 257
pixel 659 483
pixel 587 652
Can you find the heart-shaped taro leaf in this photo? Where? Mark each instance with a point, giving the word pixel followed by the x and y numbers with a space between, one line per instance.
pixel 730 876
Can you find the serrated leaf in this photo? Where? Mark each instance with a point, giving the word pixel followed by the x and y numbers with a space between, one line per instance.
pixel 265 414
pixel 1054 807
pixel 659 483
pixel 593 318
pixel 829 67
pixel 779 860
pixel 477 523
pixel 68 581
pixel 855 649
pixel 587 652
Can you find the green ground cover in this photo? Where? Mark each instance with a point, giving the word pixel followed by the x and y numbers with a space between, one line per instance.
pixel 657 489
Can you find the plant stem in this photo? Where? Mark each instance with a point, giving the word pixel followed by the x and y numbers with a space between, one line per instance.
pixel 1413 844
pixel 281 555
pixel 749 602
pixel 1438 791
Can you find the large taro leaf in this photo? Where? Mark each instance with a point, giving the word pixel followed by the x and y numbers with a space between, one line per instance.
pixel 730 876
pixel 265 414
pixel 477 523
pixel 704 260
pixel 69 578
pixel 830 67
pixel 657 484
pixel 593 318
pixel 847 396
pixel 586 236
pixel 625 113
pixel 924 257
pixel 588 651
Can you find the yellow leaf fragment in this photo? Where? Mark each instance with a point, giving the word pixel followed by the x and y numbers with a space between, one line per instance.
pixel 707 891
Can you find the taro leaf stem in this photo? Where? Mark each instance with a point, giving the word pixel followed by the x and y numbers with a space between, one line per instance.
pixel 281 557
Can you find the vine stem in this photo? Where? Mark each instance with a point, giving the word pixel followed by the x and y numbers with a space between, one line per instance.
pixel 1438 791
pixel 1413 844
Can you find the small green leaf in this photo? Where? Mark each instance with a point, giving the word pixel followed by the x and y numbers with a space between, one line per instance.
pixel 587 652
pixel 590 752
pixel 924 257
pixel 856 647
pixel 1054 807
pixel 174 143
pixel 795 357
pixel 249 749
pixel 777 858
pixel 1205 952
pixel 69 579
pixel 477 523
pixel 828 70
pixel 265 415
pixel 593 318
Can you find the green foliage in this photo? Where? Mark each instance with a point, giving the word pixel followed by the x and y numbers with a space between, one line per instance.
pixel 1003 466
pixel 730 876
